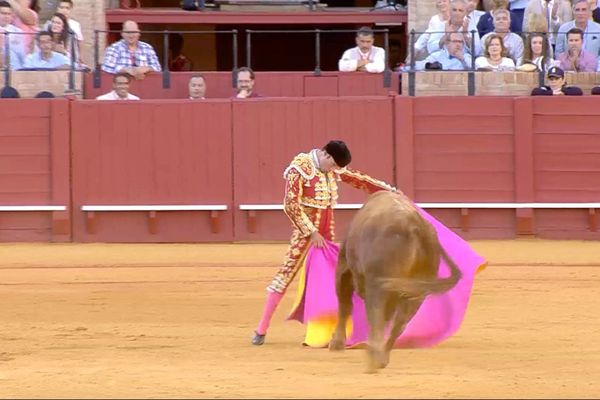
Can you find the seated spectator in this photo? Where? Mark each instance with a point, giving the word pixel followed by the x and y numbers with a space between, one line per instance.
pixel 582 14
pixel 26 19
pixel 177 60
pixel 473 13
pixel 537 51
pixel 364 57
pixel 245 84
pixel 551 13
pixel 130 55
pixel 437 21
pixel 9 92
pixel 452 57
pixel 458 22
pixel 121 81
pixel 45 57
pixel 197 87
pixel 557 85
pixel 576 58
pixel 494 55
pixel 45 95
pixel 486 21
pixel 65 7
pixel 512 42
pixel 15 45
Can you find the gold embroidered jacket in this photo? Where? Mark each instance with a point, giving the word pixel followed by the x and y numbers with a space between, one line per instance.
pixel 307 186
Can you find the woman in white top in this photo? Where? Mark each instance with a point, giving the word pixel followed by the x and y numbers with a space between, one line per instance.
pixel 494 56
pixel 436 24
pixel 537 52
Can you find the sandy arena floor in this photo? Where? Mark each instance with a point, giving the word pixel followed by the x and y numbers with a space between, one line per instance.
pixel 157 321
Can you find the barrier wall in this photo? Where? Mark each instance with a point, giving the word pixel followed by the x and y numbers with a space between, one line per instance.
pixel 268 84
pixel 34 170
pixel 156 155
pixel 30 83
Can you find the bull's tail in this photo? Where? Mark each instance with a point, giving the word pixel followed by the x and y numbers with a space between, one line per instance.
pixel 418 287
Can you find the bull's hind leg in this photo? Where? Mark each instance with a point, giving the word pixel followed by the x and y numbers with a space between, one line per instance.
pixel 407 308
pixel 344 288
pixel 375 302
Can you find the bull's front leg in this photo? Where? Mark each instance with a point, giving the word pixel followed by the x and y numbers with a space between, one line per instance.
pixel 344 288
pixel 375 300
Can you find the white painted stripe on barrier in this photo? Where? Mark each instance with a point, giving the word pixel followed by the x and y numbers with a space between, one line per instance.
pixel 270 207
pixel 170 207
pixel 33 208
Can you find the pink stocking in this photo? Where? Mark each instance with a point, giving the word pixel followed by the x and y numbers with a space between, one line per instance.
pixel 273 299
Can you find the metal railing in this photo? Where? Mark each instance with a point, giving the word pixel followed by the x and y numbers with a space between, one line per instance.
pixel 387 72
pixel 411 69
pixel 8 52
pixel 166 73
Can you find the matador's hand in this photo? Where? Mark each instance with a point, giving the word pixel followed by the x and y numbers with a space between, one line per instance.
pixel 317 239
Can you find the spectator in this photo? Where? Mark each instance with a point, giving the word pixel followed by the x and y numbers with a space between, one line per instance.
pixel 26 19
pixel 557 86
pixel 537 52
pixel 131 55
pixel 15 46
pixel 177 60
pixel 553 13
pixel 61 38
pixel 494 55
pixel 472 12
pixel 45 57
pixel 517 8
pixel 591 29
pixel 245 83
pixel 9 92
pixel 435 22
pixel 458 22
pixel 44 95
pixel 486 21
pixel 512 41
pixel 121 81
pixel 197 87
pixel 595 90
pixel 451 57
pixel 576 58
pixel 364 57
pixel 65 7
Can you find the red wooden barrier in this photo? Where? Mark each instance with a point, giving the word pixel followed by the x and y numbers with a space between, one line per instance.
pixel 268 133
pixel 151 153
pixel 34 169
pixel 269 84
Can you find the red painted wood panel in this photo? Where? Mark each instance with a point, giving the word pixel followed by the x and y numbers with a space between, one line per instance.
pixel 564 224
pixel 268 133
pixel 20 164
pixel 365 84
pixel 152 152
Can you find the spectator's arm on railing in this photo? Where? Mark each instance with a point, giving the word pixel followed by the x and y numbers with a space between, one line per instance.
pixel 346 63
pixel 378 64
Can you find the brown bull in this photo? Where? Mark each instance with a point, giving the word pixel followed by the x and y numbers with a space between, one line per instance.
pixel 390 258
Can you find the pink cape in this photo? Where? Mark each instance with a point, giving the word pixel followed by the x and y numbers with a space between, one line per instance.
pixel 439 317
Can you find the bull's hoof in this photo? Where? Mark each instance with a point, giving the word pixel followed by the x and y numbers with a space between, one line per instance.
pixel 258 339
pixel 337 345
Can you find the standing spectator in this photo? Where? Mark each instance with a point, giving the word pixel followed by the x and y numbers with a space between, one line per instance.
pixel 131 55
pixel 245 83
pixel 197 87
pixel 517 7
pixel 576 58
pixel 556 85
pixel 512 41
pixel 537 52
pixel 65 7
pixel 451 57
pixel 590 29
pixel 364 57
pixel 45 57
pixel 121 81
pixel 437 21
pixel 458 22
pixel 473 13
pixel 494 55
pixel 26 19
pixel 14 46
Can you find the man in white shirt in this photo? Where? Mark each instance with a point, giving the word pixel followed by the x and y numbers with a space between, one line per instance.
pixel 15 46
pixel 197 87
pixel 120 91
pixel 364 57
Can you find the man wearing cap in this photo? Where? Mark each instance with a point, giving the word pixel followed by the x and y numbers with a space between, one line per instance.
pixel 310 195
pixel 556 87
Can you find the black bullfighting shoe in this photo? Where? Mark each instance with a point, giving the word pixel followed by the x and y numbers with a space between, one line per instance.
pixel 258 339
